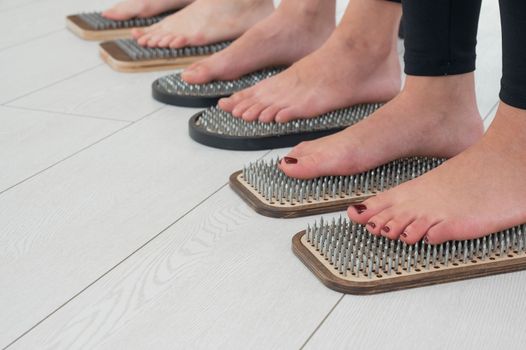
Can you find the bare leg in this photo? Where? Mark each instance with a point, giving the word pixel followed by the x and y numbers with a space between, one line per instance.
pixel 205 22
pixel 432 116
pixel 294 30
pixel 359 63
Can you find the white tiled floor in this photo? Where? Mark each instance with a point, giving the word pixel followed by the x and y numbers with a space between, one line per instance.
pixel 118 231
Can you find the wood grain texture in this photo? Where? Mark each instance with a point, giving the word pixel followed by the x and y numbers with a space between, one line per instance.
pixel 365 286
pixel 70 225
pixel 217 279
pixel 298 210
pixel 39 18
pixel 60 55
pixel 448 316
pixel 118 60
pixel 483 313
pixel 83 31
pixel 67 226
pixel 100 92
pixel 11 4
pixel 31 141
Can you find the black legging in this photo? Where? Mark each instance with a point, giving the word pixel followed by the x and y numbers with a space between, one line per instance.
pixel 440 39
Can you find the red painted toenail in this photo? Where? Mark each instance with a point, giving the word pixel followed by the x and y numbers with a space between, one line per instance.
pixel 290 160
pixel 372 224
pixel 386 229
pixel 360 208
pixel 404 234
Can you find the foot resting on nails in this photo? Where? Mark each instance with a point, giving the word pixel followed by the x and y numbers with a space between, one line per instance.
pixel 290 33
pixel 358 63
pixel 480 191
pixel 204 22
pixel 431 117
pixel 142 8
pixel 335 76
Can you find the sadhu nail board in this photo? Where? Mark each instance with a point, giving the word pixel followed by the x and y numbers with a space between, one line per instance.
pixel 93 26
pixel 126 55
pixel 345 257
pixel 266 188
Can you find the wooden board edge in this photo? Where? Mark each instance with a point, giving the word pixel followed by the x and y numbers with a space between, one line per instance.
pixel 285 212
pixel 112 55
pixel 74 24
pixel 403 282
pixel 320 271
pixel 248 198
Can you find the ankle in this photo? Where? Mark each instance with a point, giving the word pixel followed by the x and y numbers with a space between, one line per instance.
pixel 361 46
pixel 447 91
pixel 375 36
pixel 317 16
pixel 508 126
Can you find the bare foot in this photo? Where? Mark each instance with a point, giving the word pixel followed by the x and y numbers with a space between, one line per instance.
pixel 479 192
pixel 204 22
pixel 142 8
pixel 430 117
pixel 290 33
pixel 357 64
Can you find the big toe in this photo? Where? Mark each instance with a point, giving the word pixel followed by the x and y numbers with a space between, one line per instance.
pixel 445 231
pixel 137 33
pixel 363 212
pixel 302 148
pixel 308 166
pixel 229 103
pixel 199 73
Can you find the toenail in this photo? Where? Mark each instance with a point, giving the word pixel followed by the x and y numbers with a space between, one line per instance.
pixel 290 160
pixel 404 234
pixel 372 224
pixel 360 208
pixel 426 239
pixel 386 229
